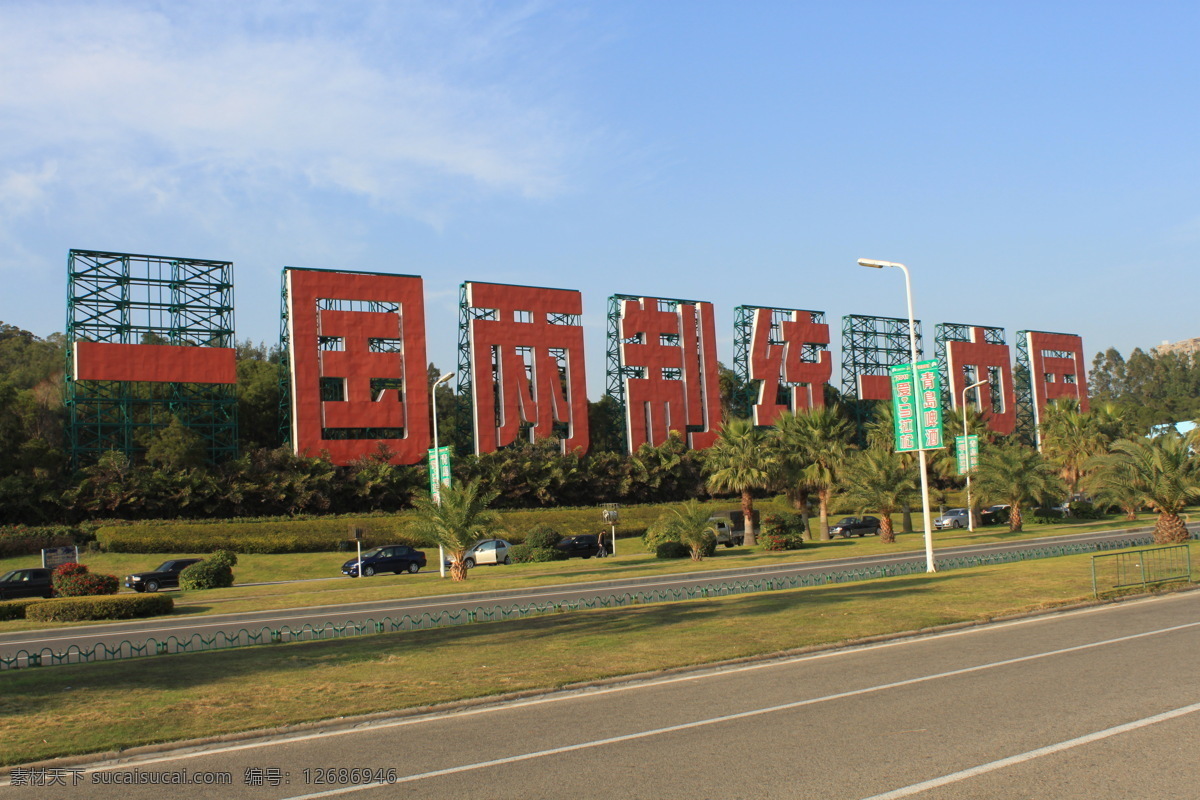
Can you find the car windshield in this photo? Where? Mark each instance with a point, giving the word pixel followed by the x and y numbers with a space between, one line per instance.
pixel 374 551
pixel 847 521
pixel 8 576
pixel 164 566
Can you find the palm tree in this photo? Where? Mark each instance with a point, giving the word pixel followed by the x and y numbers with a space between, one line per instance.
pixel 879 481
pixel 458 521
pixel 739 461
pixel 818 442
pixel 1070 438
pixel 1016 475
pixel 1109 481
pixel 1165 475
pixel 691 525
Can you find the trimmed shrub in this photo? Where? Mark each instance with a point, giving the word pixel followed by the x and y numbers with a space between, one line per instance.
pixel 77 609
pixel 782 531
pixel 266 537
pixel 674 550
pixel 215 572
pixel 15 609
pixel 773 542
pixel 527 554
pixel 1085 510
pixel 74 580
pixel 542 537
pixel 22 540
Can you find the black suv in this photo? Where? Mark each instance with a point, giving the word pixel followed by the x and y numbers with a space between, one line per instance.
pixel 392 558
pixel 165 577
pixel 854 526
pixel 586 545
pixel 32 582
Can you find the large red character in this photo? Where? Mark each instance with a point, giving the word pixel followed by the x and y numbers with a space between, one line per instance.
pixel 509 391
pixel 774 363
pixel 1056 369
pixel 374 359
pixel 676 350
pixel 985 361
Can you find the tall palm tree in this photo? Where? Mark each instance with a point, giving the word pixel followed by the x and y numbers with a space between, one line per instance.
pixel 692 525
pixel 818 441
pixel 461 519
pixel 1016 475
pixel 739 461
pixel 879 481
pixel 1163 472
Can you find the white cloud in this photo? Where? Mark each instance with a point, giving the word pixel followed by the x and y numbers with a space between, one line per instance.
pixel 212 107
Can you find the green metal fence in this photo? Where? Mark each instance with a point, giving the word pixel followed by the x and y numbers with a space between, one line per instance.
pixel 1142 568
pixel 275 635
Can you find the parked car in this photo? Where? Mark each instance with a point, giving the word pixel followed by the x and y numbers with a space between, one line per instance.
pixel 857 526
pixel 995 515
pixel 487 551
pixel 32 582
pixel 953 518
pixel 586 545
pixel 725 534
pixel 395 558
pixel 166 576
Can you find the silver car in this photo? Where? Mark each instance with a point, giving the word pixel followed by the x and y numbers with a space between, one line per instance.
pixel 488 551
pixel 953 518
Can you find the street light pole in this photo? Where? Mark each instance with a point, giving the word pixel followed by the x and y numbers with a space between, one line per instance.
pixel 970 514
pixel 912 346
pixel 437 459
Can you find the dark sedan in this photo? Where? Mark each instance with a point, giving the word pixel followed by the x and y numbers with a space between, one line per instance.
pixel 854 526
pixel 32 582
pixel 586 545
pixel 166 576
pixel 395 558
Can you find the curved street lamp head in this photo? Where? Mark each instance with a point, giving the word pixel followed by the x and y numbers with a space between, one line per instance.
pixel 442 380
pixel 877 264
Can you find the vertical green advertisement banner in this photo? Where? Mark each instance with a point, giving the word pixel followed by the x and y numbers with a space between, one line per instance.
pixel 967 450
pixel 917 407
pixel 439 471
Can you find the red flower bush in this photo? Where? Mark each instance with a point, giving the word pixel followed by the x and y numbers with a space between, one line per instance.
pixel 74 580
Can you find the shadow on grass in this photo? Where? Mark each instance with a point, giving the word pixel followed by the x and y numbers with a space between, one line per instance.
pixel 32 690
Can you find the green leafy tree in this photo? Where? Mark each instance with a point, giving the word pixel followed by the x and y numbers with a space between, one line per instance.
pixel 740 462
pixel 1164 474
pixel 458 521
pixel 881 481
pixel 175 447
pixel 1070 439
pixel 1016 475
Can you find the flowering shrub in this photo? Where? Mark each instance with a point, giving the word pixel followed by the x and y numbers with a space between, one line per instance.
pixel 74 580
pixel 773 541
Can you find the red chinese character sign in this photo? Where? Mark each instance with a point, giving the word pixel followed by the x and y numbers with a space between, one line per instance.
pixel 667 370
pixel 982 357
pixel 786 354
pixel 1056 370
pixel 356 351
pixel 525 364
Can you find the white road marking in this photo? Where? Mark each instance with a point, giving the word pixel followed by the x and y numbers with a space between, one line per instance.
pixel 955 777
pixel 628 687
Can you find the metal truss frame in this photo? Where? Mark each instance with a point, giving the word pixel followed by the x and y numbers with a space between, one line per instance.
pixel 871 346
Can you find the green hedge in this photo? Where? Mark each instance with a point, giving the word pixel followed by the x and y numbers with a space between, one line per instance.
pixel 121 606
pixel 24 540
pixel 15 609
pixel 275 536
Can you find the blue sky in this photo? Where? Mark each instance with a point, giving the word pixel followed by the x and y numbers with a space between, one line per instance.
pixel 1035 164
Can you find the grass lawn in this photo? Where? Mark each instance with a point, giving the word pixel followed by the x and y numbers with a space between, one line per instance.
pixel 97 707
pixel 631 562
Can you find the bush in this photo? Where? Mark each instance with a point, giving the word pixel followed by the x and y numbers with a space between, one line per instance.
pixel 22 540
pixel 215 572
pixel 1047 515
pixel 543 536
pixel 74 580
pixel 15 609
pixel 675 550
pixel 782 531
pixel 527 554
pixel 264 537
pixel 1085 510
pixel 773 542
pixel 77 609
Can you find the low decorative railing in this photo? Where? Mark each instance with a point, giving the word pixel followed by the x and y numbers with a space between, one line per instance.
pixel 274 635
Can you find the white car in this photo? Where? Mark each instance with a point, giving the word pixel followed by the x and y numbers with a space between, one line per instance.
pixel 487 551
pixel 953 518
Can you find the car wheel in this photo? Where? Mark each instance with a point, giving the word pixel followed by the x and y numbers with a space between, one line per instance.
pixel 413 567
pixel 875 532
pixel 468 562
pixel 586 555
pixel 368 571
pixel 151 586
pixel 507 559
pixel 862 534
pixel 957 524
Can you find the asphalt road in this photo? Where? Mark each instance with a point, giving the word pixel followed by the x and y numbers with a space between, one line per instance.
pixel 1097 704
pixel 226 627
